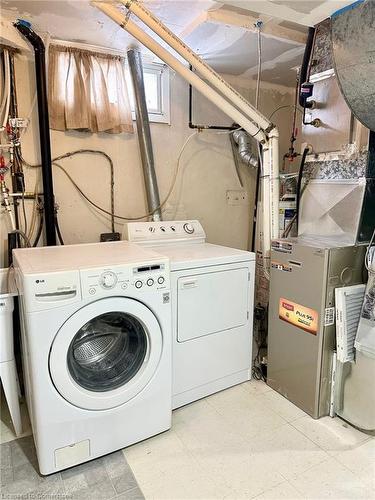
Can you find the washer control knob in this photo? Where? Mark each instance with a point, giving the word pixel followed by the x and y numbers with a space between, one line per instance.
pixel 161 280
pixel 151 229
pixel 138 284
pixel 150 282
pixel 108 280
pixel 188 228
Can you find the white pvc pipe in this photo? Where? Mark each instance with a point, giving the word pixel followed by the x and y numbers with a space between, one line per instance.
pixel 180 68
pixel 265 235
pixel 6 97
pixel 204 69
pixel 274 182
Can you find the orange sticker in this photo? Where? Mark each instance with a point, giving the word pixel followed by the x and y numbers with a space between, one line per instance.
pixel 297 315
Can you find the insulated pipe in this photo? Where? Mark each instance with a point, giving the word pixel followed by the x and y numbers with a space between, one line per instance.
pixel 204 69
pixel 44 137
pixel 180 68
pixel 244 148
pixel 144 134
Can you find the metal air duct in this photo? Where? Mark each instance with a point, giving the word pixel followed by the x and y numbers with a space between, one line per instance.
pixel 245 151
pixel 353 41
pixel 144 134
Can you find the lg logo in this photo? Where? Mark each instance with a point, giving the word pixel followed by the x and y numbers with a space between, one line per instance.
pixel 39 281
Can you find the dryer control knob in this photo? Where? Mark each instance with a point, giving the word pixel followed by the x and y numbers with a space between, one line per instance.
pixel 108 280
pixel 188 228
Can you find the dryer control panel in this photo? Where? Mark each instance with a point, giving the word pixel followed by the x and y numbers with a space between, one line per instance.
pixel 152 233
pixel 117 279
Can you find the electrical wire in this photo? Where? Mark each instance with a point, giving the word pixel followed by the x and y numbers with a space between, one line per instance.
pixel 39 230
pixel 257 93
pixel 58 232
pixel 149 214
pixel 260 154
pixel 23 206
pixel 36 206
pixel 89 151
pixel 23 236
pixel 285 106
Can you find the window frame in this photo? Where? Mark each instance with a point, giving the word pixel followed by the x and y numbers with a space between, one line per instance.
pixel 163 79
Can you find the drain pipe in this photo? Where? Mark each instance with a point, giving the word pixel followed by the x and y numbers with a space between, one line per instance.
pixel 45 144
pixel 144 134
pixel 244 148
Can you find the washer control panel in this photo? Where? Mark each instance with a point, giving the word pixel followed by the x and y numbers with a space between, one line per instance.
pixel 164 232
pixel 122 280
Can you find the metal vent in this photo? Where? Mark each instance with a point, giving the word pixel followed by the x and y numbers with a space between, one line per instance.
pixel 353 50
pixel 349 301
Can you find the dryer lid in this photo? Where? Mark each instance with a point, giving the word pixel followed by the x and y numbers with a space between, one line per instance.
pixel 202 255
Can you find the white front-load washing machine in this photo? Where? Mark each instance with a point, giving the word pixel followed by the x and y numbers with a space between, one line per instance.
pixel 212 289
pixel 96 348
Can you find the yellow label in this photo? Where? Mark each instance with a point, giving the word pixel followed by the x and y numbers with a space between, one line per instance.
pixel 298 315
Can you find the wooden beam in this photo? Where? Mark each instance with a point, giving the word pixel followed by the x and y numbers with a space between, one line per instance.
pixel 277 10
pixel 269 8
pixel 193 25
pixel 270 29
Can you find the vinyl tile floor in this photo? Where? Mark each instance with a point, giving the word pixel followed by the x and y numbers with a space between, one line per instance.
pixel 242 443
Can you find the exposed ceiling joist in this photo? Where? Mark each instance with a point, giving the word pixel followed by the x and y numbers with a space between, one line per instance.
pixel 189 28
pixel 269 29
pixel 282 11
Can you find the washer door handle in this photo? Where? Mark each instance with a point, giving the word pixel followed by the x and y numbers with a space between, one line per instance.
pixel 190 283
pixel 53 296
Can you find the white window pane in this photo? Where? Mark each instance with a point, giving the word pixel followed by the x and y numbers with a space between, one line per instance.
pixel 152 91
pixel 156 82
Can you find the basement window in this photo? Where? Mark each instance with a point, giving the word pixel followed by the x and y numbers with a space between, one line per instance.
pixel 156 80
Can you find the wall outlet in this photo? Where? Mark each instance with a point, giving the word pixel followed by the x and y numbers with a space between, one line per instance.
pixel 237 197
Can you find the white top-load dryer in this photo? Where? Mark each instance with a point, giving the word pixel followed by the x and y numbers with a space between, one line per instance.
pixel 212 290
pixel 96 348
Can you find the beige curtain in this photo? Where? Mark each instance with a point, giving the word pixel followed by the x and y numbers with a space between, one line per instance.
pixel 87 91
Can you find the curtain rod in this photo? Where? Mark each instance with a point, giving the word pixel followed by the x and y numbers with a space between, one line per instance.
pixel 88 46
pixel 99 48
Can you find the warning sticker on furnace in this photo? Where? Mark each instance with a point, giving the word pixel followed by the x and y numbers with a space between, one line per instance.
pixel 299 316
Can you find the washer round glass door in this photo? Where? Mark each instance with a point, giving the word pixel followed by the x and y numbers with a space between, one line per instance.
pixel 106 353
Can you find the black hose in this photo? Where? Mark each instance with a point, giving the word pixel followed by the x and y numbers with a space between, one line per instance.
pixel 305 67
pixel 59 235
pixel 40 229
pixel 299 184
pixel 44 137
pixel 205 127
